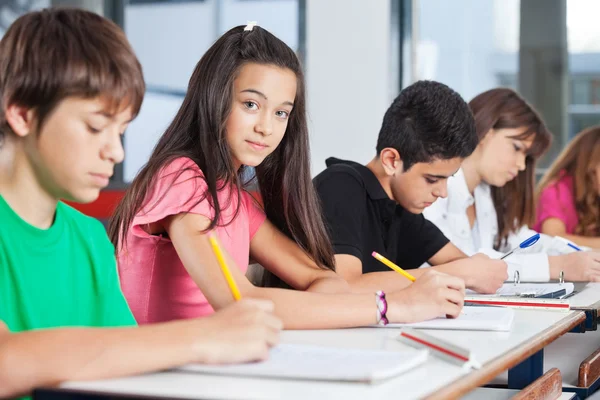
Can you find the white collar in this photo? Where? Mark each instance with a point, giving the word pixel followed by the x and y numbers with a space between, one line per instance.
pixel 460 198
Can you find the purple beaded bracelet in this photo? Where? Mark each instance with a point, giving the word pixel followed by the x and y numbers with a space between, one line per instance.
pixel 381 303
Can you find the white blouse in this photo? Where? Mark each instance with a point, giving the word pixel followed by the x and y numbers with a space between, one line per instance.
pixel 450 215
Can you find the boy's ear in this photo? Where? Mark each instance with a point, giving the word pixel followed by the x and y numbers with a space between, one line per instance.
pixel 20 119
pixel 391 161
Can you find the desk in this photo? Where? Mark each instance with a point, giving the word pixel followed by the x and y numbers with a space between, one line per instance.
pixel 436 379
pixel 587 299
pixel 569 351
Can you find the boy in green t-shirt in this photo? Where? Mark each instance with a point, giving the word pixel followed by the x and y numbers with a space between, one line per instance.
pixel 69 86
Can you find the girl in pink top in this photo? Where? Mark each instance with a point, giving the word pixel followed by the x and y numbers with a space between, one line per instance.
pixel 245 107
pixel 569 193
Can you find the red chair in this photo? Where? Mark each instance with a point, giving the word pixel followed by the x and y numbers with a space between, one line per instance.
pixel 104 206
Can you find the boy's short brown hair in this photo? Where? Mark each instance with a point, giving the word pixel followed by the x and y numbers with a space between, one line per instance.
pixel 48 55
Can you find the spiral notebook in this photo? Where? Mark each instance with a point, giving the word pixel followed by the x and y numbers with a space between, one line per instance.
pixel 294 361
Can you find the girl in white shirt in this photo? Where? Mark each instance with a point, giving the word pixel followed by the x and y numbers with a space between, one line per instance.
pixel 490 200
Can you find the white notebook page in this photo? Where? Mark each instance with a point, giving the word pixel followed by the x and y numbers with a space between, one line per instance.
pixel 323 363
pixel 472 319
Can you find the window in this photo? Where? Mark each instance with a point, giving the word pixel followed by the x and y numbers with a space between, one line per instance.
pixel 12 9
pixel 475 45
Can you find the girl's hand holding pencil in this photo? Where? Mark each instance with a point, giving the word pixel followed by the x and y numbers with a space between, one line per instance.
pixel 246 329
pixel 433 295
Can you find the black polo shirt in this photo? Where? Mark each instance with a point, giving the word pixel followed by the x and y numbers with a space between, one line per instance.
pixel 361 218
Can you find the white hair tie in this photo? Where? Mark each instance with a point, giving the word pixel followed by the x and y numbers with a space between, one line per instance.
pixel 250 25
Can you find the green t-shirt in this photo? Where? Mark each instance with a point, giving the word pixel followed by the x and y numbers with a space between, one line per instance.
pixel 62 276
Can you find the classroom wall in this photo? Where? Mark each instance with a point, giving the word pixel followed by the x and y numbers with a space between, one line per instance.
pixel 349 78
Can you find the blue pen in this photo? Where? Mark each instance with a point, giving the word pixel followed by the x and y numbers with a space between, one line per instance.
pixel 524 244
pixel 568 243
pixel 573 246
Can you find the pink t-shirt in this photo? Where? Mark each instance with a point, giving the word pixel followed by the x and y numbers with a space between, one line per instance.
pixel 155 283
pixel 557 201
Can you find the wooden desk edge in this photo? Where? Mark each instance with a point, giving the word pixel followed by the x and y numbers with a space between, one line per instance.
pixel 502 363
pixel 548 386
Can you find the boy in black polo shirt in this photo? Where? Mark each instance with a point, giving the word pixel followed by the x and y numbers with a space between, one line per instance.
pixel 426 133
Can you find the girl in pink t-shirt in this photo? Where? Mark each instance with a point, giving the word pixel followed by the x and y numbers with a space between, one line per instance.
pixel 569 193
pixel 245 107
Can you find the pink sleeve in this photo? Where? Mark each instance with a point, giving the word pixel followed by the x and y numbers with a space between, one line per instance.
pixel 179 188
pixel 554 203
pixel 256 215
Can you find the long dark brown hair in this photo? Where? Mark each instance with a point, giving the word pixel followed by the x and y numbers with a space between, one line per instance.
pixel 198 132
pixel 514 202
pixel 578 160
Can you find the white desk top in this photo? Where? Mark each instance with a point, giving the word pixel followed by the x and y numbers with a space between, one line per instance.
pixel 497 351
pixel 569 351
pixel 588 294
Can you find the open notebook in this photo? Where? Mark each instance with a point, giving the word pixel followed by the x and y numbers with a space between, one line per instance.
pixel 295 361
pixel 538 290
pixel 472 319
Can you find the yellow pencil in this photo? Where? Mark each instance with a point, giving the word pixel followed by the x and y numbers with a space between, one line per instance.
pixel 397 268
pixel 228 277
pixel 393 266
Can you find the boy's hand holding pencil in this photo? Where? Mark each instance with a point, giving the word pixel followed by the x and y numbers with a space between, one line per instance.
pixel 253 328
